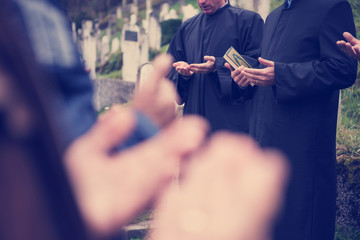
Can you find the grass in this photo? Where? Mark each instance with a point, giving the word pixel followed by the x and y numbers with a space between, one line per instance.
pixel 348 137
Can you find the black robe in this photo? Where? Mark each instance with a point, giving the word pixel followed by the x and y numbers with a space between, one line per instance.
pixel 299 114
pixel 202 35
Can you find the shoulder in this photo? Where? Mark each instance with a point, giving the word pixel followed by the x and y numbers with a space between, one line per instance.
pixel 193 20
pixel 328 4
pixel 332 8
pixel 244 14
pixel 275 12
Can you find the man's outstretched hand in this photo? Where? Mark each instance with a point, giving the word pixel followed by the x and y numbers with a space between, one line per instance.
pixel 351 47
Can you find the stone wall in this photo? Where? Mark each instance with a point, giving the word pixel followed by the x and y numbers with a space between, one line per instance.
pixel 110 91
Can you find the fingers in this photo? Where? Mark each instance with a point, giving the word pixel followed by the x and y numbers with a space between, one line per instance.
pixel 180 63
pixel 209 58
pixel 182 68
pixel 266 62
pixel 215 199
pixel 238 76
pixel 109 132
pixel 350 38
pixel 342 45
pixel 202 68
pixel 352 47
pixel 227 65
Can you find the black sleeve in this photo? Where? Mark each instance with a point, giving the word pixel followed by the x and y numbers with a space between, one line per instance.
pixel 334 69
pixel 252 37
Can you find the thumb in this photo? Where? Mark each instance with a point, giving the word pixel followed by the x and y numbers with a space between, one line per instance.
pixel 209 58
pixel 266 62
pixel 110 130
pixel 350 38
pixel 162 65
pixel 227 65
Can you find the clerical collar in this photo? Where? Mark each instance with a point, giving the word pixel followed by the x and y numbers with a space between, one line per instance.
pixel 289 3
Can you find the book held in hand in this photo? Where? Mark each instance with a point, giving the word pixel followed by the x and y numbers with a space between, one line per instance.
pixel 235 59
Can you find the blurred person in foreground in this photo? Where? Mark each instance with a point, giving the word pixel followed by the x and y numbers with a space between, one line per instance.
pixel 295 107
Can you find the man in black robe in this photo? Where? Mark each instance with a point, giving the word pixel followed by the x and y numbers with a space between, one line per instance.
pixel 295 107
pixel 207 36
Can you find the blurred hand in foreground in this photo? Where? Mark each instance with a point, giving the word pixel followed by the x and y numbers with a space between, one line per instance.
pixel 112 189
pixel 157 95
pixel 231 190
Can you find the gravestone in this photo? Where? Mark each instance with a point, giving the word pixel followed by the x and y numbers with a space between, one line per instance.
pixel 105 48
pixel 134 9
pixel 154 33
pixel 130 45
pixel 89 47
pixel 164 11
pixel 143 74
pixel 189 11
pixel 144 44
pixel 118 12
pixel 73 28
pixel 115 45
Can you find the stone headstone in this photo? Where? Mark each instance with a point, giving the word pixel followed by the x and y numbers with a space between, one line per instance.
pixel 164 11
pixel 89 47
pixel 130 45
pixel 73 28
pixel 134 9
pixel 171 15
pixel 189 11
pixel 143 74
pixel 115 45
pixel 144 47
pixel 118 12
pixel 154 33
pixel 105 48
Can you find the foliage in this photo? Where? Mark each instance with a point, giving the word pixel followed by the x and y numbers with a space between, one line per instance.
pixel 153 53
pixel 168 30
pixel 348 137
pixel 114 64
pixel 275 3
pixel 355 4
pixel 164 48
pixel 348 165
pixel 346 233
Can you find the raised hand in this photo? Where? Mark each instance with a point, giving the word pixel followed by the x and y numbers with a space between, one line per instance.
pixel 183 68
pixel 203 68
pixel 112 188
pixel 238 76
pixel 231 190
pixel 351 47
pixel 261 77
pixel 156 97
